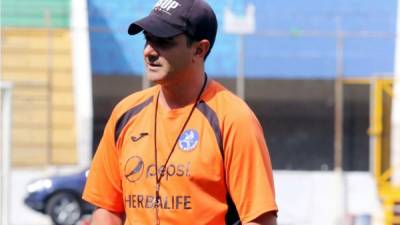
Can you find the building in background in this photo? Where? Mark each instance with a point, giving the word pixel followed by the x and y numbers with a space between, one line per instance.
pixel 45 64
pixel 36 53
pixel 45 55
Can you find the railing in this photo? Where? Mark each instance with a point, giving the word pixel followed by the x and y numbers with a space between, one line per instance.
pixel 389 193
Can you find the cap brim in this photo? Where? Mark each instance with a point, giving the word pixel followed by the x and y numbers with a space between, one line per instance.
pixel 154 25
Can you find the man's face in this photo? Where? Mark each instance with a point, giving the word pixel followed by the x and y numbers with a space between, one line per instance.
pixel 166 58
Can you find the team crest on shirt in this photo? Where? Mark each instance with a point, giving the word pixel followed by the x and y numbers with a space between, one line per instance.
pixel 188 140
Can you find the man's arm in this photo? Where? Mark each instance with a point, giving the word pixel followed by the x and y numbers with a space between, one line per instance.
pixel 267 218
pixel 104 217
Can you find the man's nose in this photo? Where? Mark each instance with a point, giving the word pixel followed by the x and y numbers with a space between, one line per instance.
pixel 150 53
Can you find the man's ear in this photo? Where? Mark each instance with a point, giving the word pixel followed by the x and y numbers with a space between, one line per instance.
pixel 202 48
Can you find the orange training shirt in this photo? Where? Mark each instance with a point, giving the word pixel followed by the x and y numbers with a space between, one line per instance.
pixel 220 154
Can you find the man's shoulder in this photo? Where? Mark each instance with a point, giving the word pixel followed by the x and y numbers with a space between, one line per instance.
pixel 227 104
pixel 136 99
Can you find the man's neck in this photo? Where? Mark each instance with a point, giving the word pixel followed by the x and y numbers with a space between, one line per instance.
pixel 178 95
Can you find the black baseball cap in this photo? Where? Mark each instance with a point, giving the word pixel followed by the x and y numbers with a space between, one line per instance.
pixel 172 17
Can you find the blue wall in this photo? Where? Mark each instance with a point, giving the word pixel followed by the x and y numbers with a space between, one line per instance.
pixel 292 55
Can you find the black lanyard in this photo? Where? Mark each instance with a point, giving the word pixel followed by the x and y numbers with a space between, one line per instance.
pixel 159 176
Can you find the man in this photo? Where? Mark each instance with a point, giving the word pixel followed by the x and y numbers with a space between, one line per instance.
pixel 185 151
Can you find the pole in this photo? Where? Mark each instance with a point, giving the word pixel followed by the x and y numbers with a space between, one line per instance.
pixel 338 144
pixel 338 129
pixel 240 25
pixel 82 75
pixel 6 120
pixel 240 82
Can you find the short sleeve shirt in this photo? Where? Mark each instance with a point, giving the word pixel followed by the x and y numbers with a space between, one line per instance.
pixel 221 155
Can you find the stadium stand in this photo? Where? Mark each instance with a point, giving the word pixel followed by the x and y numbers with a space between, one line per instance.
pixel 36 49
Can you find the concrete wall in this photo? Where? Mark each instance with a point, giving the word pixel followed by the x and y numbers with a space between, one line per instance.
pixel 304 198
pixel 312 198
